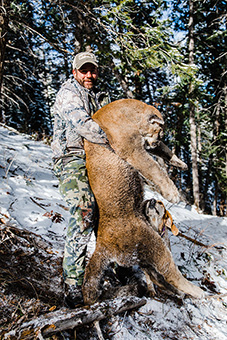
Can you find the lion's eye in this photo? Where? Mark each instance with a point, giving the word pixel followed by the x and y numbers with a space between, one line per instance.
pixel 155 119
pixel 152 117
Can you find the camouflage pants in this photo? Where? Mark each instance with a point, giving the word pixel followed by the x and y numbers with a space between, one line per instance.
pixel 74 187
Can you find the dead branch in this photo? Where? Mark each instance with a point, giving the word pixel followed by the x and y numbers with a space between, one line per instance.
pixel 216 296
pixel 42 206
pixel 65 319
pixel 193 240
pixel 98 330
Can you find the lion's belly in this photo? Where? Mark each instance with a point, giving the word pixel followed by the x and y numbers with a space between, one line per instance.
pixel 116 184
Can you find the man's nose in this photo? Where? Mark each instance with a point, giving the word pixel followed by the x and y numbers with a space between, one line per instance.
pixel 88 74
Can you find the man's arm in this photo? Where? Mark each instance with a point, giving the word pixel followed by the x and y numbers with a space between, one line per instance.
pixel 79 120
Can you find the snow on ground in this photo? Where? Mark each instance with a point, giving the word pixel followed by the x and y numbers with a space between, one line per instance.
pixel 29 199
pixel 29 194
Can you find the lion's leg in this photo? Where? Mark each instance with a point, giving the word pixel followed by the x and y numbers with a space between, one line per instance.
pixel 93 274
pixel 165 153
pixel 176 279
pixel 154 277
pixel 156 260
pixel 152 171
pixel 169 277
pixel 150 284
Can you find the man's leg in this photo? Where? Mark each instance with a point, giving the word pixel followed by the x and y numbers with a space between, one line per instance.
pixel 74 186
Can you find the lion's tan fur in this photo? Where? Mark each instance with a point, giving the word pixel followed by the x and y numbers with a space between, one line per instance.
pixel 124 234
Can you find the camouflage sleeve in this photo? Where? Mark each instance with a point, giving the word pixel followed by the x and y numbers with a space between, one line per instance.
pixel 79 120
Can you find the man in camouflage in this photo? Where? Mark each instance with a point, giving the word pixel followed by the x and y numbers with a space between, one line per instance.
pixel 75 104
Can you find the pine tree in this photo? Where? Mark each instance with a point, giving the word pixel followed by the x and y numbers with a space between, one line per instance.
pixel 209 51
pixel 192 107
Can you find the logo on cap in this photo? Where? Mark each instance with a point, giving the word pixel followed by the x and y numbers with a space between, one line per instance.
pixel 83 58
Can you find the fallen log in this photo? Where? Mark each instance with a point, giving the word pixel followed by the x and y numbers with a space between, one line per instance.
pixel 29 269
pixel 65 319
pixel 28 264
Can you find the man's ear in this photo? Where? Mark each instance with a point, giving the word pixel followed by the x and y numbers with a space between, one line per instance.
pixel 74 73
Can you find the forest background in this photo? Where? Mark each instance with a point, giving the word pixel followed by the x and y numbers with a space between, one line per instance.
pixel 170 54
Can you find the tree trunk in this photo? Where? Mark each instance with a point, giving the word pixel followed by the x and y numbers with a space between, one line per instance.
pixel 4 20
pixel 128 93
pixel 214 210
pixel 225 125
pixel 225 120
pixel 193 129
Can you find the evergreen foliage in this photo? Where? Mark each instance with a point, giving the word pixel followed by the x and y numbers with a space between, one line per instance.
pixel 142 47
pixel 210 32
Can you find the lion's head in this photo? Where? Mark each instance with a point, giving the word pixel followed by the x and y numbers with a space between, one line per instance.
pixel 134 121
pixel 134 129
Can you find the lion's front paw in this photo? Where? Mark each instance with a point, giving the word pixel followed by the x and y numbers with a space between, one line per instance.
pixel 197 293
pixel 172 196
pixel 175 161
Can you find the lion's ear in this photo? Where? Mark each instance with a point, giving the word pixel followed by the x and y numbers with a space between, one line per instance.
pixel 174 230
pixel 169 223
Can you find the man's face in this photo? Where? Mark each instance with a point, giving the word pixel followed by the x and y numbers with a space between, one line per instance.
pixel 87 75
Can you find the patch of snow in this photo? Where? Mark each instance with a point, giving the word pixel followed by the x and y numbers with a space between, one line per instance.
pixel 29 199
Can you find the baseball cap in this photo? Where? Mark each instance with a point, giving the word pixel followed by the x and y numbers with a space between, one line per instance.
pixel 83 58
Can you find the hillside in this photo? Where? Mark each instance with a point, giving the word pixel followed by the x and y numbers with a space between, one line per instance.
pixel 29 200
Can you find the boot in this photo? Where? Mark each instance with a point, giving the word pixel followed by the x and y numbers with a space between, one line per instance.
pixel 73 296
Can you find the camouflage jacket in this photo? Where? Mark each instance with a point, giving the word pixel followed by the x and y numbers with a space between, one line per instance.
pixel 72 110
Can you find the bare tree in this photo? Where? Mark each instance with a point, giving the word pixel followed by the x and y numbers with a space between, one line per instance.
pixel 4 20
pixel 193 128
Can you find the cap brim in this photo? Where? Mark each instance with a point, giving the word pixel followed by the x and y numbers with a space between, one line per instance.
pixel 81 63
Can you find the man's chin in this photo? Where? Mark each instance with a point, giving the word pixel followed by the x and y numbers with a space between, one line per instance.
pixel 88 85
